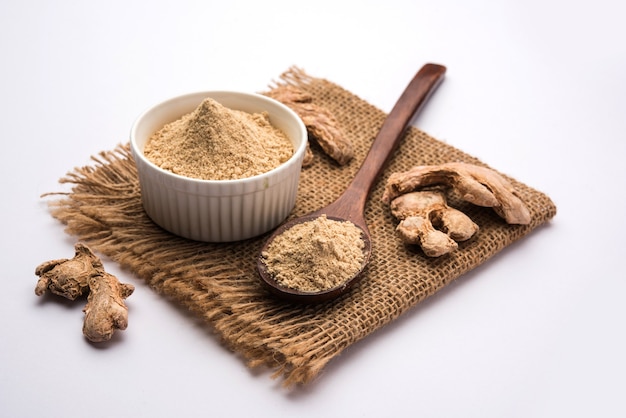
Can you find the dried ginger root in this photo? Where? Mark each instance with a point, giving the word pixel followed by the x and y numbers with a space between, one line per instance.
pixel 105 310
pixel 320 123
pixel 426 220
pixel 68 277
pixel 478 185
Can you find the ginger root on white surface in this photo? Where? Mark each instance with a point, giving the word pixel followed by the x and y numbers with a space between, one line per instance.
pixel 105 310
pixel 68 277
pixel 475 184
pixel 426 220
pixel 320 123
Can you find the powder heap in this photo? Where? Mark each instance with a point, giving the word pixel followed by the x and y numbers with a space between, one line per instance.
pixel 217 143
pixel 316 255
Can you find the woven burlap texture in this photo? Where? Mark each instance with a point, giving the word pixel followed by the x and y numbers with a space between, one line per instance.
pixel 219 282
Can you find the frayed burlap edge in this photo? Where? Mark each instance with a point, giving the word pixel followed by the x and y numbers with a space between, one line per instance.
pixel 218 282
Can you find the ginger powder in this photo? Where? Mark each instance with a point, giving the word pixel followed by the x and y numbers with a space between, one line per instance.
pixel 218 143
pixel 316 255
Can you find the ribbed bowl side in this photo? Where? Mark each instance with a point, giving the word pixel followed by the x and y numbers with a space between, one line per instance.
pixel 220 218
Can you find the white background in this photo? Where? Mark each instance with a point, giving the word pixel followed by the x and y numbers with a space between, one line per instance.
pixel 534 88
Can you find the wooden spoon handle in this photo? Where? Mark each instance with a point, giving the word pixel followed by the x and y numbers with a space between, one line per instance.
pixel 410 102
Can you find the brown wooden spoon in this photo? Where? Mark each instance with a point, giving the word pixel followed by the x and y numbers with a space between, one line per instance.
pixel 350 206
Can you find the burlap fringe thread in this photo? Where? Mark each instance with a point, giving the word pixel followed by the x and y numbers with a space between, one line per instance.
pixel 218 282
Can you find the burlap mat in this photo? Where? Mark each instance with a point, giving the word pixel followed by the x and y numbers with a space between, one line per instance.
pixel 219 283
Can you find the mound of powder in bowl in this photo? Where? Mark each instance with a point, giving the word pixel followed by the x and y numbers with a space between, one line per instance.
pixel 218 143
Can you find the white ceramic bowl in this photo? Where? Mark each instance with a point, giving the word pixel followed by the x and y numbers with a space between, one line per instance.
pixel 218 210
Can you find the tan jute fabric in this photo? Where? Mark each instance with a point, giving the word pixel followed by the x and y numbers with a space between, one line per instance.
pixel 219 283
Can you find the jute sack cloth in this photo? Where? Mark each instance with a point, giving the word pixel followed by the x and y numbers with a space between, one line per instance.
pixel 219 282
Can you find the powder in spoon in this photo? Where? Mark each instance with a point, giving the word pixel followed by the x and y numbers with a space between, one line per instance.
pixel 218 143
pixel 315 255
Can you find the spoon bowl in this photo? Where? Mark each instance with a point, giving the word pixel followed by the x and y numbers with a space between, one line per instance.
pixel 296 295
pixel 350 206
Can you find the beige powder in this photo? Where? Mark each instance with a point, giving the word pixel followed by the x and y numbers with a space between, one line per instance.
pixel 316 255
pixel 217 143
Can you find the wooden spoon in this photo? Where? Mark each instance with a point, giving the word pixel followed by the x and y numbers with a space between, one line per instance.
pixel 350 206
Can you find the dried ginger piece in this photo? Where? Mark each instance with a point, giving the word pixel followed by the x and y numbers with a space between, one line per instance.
pixel 426 220
pixel 68 277
pixel 308 156
pixel 105 311
pixel 478 185
pixel 320 123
